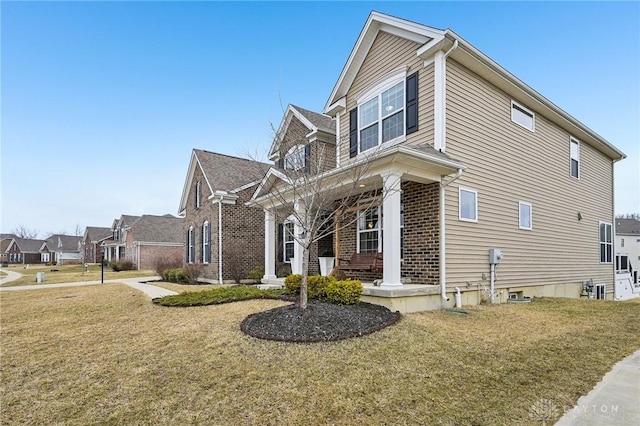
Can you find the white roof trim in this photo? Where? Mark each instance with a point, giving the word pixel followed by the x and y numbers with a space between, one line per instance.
pixel 271 175
pixel 189 180
pixel 284 124
pixel 375 23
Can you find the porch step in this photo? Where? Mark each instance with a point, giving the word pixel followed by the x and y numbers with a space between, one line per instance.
pixel 269 286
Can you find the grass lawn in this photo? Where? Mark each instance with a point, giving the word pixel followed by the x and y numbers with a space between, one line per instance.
pixel 70 273
pixel 107 355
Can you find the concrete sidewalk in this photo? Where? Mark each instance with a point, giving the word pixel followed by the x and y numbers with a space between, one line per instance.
pixel 11 276
pixel 138 283
pixel 614 401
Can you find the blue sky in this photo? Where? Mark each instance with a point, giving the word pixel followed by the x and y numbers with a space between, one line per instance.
pixel 102 102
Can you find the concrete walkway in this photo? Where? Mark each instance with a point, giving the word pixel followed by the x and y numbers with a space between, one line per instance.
pixel 614 401
pixel 138 283
pixel 11 276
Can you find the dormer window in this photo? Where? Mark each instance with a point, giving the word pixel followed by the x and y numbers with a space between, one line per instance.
pixel 296 158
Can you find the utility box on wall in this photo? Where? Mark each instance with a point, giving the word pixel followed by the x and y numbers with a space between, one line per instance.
pixel 495 256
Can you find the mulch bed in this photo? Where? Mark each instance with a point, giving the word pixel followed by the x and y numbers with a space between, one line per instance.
pixel 320 322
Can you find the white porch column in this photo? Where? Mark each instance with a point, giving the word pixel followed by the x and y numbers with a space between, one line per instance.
pixel 391 228
pixel 269 245
pixel 298 230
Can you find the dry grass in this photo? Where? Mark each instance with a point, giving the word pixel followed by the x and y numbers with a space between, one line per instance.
pixel 106 355
pixel 70 273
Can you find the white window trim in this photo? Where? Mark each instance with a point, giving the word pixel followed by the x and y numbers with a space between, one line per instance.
pixel 285 242
pixel 464 219
pixel 191 243
pixel 573 140
pixel 605 243
pixel 379 228
pixel 301 160
pixel 527 111
pixel 387 82
pixel 520 204
pixel 603 292
pixel 205 241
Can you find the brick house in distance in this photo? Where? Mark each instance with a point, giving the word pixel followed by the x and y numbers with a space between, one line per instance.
pixel 91 244
pixel 219 230
pixel 485 188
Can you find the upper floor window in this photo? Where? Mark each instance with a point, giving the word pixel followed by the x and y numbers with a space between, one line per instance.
pixel 522 116
pixel 206 243
pixel 295 158
pixel 468 205
pixel 621 242
pixel 606 244
pixel 525 215
pixel 381 118
pixel 575 158
pixel 198 194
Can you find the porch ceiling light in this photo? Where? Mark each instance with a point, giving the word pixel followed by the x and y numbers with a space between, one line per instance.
pixel 362 185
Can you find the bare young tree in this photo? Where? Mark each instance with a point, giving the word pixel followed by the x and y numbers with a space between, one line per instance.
pixel 21 231
pixel 79 230
pixel 320 199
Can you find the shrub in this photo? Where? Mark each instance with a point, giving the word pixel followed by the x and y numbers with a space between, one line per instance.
pixel 256 274
pixel 122 265
pixel 175 275
pixel 346 292
pixel 317 286
pixel 283 269
pixel 163 263
pixel 217 295
pixel 192 272
pixel 292 284
pixel 338 274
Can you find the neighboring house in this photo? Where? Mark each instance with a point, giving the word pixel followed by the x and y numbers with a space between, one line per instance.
pixel 154 238
pixel 114 248
pixel 24 251
pixel 220 231
pixel 65 248
pixel 92 248
pixel 628 245
pixel 464 158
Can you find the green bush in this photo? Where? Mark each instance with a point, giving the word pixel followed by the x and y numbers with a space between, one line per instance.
pixel 175 275
pixel 256 274
pixel 292 284
pixel 217 296
pixel 122 265
pixel 317 286
pixel 346 292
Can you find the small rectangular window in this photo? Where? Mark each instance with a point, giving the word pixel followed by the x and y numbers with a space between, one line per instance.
pixel 606 244
pixel 621 242
pixel 600 292
pixel 575 158
pixel 288 241
pixel 526 215
pixel 198 194
pixel 468 204
pixel 522 116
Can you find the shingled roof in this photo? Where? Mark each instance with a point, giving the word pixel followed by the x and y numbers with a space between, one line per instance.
pixel 97 233
pixel 225 173
pixel 320 121
pixel 157 229
pixel 68 243
pixel 28 245
pixel 627 226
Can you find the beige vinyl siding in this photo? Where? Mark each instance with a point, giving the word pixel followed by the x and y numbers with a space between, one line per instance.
pixel 507 163
pixel 387 53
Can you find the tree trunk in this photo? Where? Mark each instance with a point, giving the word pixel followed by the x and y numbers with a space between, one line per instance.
pixel 305 275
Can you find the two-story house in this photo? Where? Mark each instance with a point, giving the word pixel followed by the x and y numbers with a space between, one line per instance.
pixel 92 248
pixel 484 186
pixel 219 231
pixel 628 246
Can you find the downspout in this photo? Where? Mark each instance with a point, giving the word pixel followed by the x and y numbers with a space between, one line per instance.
pixel 444 183
pixel 443 268
pixel 220 240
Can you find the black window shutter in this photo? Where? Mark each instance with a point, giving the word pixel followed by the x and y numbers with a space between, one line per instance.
pixel 307 158
pixel 353 132
pixel 280 163
pixel 186 255
pixel 280 254
pixel 412 103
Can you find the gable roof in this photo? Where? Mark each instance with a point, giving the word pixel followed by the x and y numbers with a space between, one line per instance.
pixel 627 226
pixel 313 121
pixel 7 236
pixel 65 243
pixel 432 40
pixel 27 245
pixel 221 173
pixel 96 234
pixel 158 229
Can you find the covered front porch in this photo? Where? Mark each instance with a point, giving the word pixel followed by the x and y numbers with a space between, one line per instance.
pixel 403 187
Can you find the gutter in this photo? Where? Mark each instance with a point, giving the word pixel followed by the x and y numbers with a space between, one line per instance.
pixel 219 197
